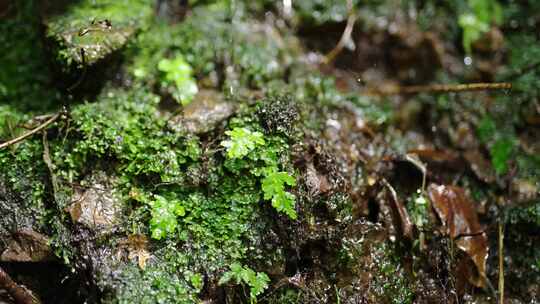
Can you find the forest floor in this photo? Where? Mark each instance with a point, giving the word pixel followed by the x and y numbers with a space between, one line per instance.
pixel 157 151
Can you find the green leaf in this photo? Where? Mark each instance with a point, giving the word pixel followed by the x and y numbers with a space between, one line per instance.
pixel 226 278
pixel 196 281
pixel 257 281
pixel 258 284
pixel 178 74
pixel 241 142
pixel 477 21
pixel 273 186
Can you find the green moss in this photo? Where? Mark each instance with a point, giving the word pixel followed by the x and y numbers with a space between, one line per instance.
pixel 320 11
pixel 212 221
pixel 392 284
pixel 125 129
pixel 166 279
pixel 529 215
pixel 23 180
pixel 285 296
pixel 210 42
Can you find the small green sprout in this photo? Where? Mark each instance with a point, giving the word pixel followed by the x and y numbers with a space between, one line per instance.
pixel 196 280
pixel 242 142
pixel 478 20
pixel 178 73
pixel 164 214
pixel 273 186
pixel 257 282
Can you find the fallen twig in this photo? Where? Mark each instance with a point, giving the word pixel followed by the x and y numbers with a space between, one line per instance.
pixel 20 294
pixel 31 132
pixel 440 88
pixel 328 58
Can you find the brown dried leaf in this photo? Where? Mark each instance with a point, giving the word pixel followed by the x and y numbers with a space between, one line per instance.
pixel 432 155
pixel 399 209
pixel 460 221
pixel 137 247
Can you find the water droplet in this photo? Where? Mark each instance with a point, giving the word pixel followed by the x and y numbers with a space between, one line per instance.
pixel 467 60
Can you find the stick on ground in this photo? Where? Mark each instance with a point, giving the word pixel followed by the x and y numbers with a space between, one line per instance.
pixel 31 132
pixel 440 88
pixel 344 37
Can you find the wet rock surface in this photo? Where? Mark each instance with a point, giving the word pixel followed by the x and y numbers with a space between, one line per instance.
pixel 82 40
pixel 207 110
pixel 95 203
pixel 28 246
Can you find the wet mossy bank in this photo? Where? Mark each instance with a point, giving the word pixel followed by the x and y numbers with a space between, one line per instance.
pixel 202 155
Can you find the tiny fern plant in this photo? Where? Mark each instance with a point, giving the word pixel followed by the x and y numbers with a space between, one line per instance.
pixel 244 143
pixel 477 21
pixel 273 186
pixel 257 281
pixel 178 78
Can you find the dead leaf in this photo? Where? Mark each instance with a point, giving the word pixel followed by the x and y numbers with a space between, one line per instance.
pixel 403 218
pixel 460 222
pixel 137 247
pixel 141 255
pixel 432 155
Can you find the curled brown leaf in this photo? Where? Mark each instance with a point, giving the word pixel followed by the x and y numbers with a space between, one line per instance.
pixel 460 222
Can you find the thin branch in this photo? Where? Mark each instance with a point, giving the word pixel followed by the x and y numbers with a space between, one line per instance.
pixel 30 133
pixel 328 58
pixel 441 88
pixel 20 294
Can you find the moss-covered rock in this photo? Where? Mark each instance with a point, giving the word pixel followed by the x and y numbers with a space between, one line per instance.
pixel 89 31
